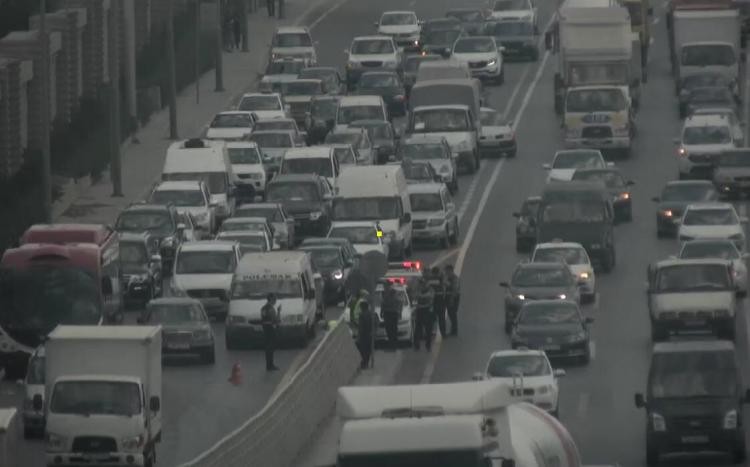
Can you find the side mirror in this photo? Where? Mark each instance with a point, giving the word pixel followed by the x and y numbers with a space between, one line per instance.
pixel 37 402
pixel 504 284
pixel 154 404
pixel 558 373
pixel 407 217
pixel 478 376
pixel 639 400
pixel 376 24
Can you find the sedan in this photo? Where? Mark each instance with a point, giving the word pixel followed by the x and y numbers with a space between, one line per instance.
pixel 254 224
pixel 366 236
pixel 518 37
pixel 675 197
pixel 566 162
pixel 497 137
pixel 482 55
pixel 700 80
pixel 405 325
pixel 722 249
pixel 382 136
pixel 555 326
pixel 575 256
pixel 712 220
pixel 186 329
pixel 276 215
pixel 435 217
pixel 403 26
pixel 513 10
pixel 538 281
pixel 329 261
pixel 732 172
pixel 369 52
pixel 617 187
pixel 387 85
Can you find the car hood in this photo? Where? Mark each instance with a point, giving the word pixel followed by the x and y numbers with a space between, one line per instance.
pixel 227 133
pixel 454 138
pixel 274 153
pixel 699 301
pixel 380 91
pixel 475 57
pixel 383 142
pixel 363 248
pixel 203 281
pixel 563 175
pixel 399 29
pixel 251 308
pixel 731 172
pixel 504 131
pixel 512 14
pixel 438 165
pixel 183 327
pixel 710 231
pixel 541 293
pixel 549 331
pixel 80 425
pixel 528 381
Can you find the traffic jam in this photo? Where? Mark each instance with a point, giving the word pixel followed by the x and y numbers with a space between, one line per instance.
pixel 323 187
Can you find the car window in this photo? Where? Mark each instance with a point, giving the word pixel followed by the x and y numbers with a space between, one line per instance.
pixel 260 103
pixel 541 277
pixel 680 278
pixel 710 217
pixel 232 121
pixel 569 255
pixel 426 202
pixel 505 5
pixel 578 160
pixel 689 192
pixel 372 47
pixel 474 45
pixel 699 250
pixel 292 39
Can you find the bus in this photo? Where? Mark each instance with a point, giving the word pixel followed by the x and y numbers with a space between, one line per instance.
pixel 43 285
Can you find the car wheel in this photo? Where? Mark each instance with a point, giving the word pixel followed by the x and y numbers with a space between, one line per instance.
pixel 501 77
pixel 608 261
pixel 454 186
pixel 406 253
pixel 511 153
pixel 477 160
pixel 445 241
pixel 628 217
pixel 728 333
pixel 652 456
pixel 454 238
pixel 586 359
pixel 520 246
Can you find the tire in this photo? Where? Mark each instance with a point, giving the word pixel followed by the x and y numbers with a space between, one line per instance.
pixel 729 333
pixel 477 160
pixel 209 356
pixel 608 261
pixel 406 253
pixel 520 246
pixel 445 241
pixel 149 459
pixel 501 78
pixel 628 217
pixel 29 433
pixel 586 359
pixel 658 334
pixel 453 240
pixel 652 456
pixel 512 154
pixel 453 187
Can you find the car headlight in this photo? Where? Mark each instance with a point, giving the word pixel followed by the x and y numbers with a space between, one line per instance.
pixel 201 334
pixel 562 296
pixel 730 420
pixel 584 275
pixel 492 62
pixel 657 422
pixel 520 297
pixel 338 274
pixel 544 389
pixel 435 222
pixel 315 215
pixel 55 442
pixel 666 213
pixel 133 443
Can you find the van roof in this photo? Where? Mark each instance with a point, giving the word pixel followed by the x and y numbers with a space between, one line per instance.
pixel 67 233
pixel 365 181
pixel 207 245
pixel 120 332
pixel 310 151
pixel 272 262
pixel 178 185
pixel 360 100
pixel 693 346
pixel 444 106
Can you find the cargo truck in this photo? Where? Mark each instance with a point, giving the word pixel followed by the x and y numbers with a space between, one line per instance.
pixel 104 395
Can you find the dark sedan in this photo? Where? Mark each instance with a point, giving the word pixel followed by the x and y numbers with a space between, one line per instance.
pixel 321 117
pixel 526 224
pixel 708 96
pixel 518 38
pixel 555 326
pixel 186 329
pixel 701 80
pixel 616 185
pixel 675 197
pixel 329 261
pixel 386 84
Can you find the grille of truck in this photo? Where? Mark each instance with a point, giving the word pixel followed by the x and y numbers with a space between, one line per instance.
pixel 207 293
pixel 94 444
pixel 597 132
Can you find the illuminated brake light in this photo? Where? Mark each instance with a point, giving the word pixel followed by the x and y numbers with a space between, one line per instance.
pixel 397 280
pixel 412 265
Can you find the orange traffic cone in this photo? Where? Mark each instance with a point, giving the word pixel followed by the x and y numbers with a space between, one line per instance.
pixel 235 377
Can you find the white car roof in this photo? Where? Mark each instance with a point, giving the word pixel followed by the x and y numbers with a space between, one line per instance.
pixel 542 246
pixel 425 188
pixel 399 12
pixel 706 206
pixel 372 38
pixel 348 101
pixel 184 185
pixel 706 120
pixel 579 151
pixel 208 245
pixel 292 30
pixel 259 94
pixel 516 352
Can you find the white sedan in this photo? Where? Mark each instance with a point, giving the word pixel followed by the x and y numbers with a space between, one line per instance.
pixel 712 220
pixel 530 375
pixel 722 249
pixel 497 136
pixel 231 125
pixel 567 161
pixel 403 26
pixel 575 256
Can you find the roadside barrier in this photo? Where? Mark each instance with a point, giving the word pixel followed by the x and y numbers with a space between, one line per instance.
pixel 290 419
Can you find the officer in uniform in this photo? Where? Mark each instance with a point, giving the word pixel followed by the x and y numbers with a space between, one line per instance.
pixel 366 333
pixel 269 317
pixel 452 297
pixel 425 320
pixel 438 286
pixel 271 7
pixel 390 310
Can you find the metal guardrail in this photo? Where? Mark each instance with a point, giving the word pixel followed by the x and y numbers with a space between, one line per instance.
pixel 289 420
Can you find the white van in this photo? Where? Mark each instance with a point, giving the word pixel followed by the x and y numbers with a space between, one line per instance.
pixel 287 274
pixel 380 194
pixel 318 160
pixel 198 159
pixel 353 108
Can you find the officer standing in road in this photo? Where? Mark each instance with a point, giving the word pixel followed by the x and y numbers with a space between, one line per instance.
pixel 452 297
pixel 390 310
pixel 271 7
pixel 366 333
pixel 425 320
pixel 269 317
pixel 438 286
pixel 355 307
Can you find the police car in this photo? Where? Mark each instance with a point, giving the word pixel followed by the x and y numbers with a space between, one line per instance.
pixel 406 273
pixel 406 320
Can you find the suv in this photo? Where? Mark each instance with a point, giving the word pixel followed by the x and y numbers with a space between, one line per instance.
pixel 161 222
pixel 435 213
pixel 694 400
pixel 691 295
pixel 293 41
pixel 702 139
pixel 369 52
pixel 190 196
pixel 140 268
pixel 307 198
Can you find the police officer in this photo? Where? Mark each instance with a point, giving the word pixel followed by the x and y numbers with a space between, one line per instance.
pixel 390 310
pixel 366 333
pixel 269 317
pixel 424 320
pixel 355 307
pixel 271 7
pixel 438 306
pixel 452 297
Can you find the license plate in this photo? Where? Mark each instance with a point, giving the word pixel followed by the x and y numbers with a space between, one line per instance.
pixel 178 346
pixel 96 457
pixel 695 322
pixel 695 439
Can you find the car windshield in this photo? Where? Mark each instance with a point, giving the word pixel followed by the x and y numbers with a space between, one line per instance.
pixel 326 258
pixel 344 138
pixel 367 208
pixel 703 80
pixel 378 80
pixel 689 192
pixel 96 397
pixel 718 216
pixel 426 202
pixel 700 250
pixel 472 45
pixel 491 118
pixel 308 165
pixel 697 277
pixel 439 120
pixel 304 88
pixel 272 214
pixel 205 262
pixel 562 313
pixel 398 19
pixel 569 255
pixel 466 16
pixel 693 374
pixel 345 155
pixel 133 255
pixel 417 171
pixel 277 124
pixel 260 103
pixel 175 314
pixel 610 179
pixel 145 221
pixel 180 198
pixel 351 113
pixel 505 5
pixel 706 135
pixel 240 225
pixel 244 155
pixel 541 277
pixel 35 372
pixel 708 55
pixel 356 235
pixel 426 151
pixel 596 100
pixel 247 242
pixel 509 28
pixel 508 366
pixel 734 159
pixel 414 458
pixel 713 94
pixel 573 211
pixel 578 160
pixel 216 181
pixel 292 39
pixel 324 108
pixel 372 47
pixel 438 36
pixel 232 121
pixel 260 286
pixel 272 140
pixel 291 191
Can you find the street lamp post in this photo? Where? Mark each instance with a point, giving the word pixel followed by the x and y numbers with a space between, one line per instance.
pixel 44 109
pixel 219 48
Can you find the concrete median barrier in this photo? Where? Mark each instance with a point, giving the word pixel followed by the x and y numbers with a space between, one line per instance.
pixel 292 417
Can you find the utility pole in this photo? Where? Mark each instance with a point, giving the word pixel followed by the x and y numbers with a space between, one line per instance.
pixel 243 25
pixel 219 48
pixel 115 167
pixel 44 108
pixel 171 73
pixel 197 51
